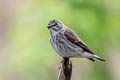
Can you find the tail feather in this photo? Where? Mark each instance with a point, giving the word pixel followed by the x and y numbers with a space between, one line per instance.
pixel 91 59
pixel 99 58
pixel 91 56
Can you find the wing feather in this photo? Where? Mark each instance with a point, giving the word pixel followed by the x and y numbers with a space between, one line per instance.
pixel 73 38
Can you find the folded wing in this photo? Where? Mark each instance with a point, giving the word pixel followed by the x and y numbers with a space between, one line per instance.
pixel 73 38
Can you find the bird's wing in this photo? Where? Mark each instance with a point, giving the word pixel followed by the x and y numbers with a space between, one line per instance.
pixel 73 38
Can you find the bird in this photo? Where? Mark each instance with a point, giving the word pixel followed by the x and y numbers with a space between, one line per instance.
pixel 67 43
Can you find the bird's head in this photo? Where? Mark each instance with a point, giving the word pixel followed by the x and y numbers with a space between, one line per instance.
pixel 55 25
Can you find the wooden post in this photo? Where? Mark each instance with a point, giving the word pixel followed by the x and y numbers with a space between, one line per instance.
pixel 65 70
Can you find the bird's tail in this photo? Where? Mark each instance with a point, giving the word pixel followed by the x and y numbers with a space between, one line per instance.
pixel 99 58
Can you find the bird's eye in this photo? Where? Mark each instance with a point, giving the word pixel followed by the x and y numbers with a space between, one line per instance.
pixel 55 24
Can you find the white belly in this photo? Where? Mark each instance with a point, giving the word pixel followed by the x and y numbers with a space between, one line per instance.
pixel 66 49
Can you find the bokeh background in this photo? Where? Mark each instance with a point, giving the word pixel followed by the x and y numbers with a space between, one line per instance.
pixel 25 51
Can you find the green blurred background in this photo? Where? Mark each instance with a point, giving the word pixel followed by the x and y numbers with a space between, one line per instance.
pixel 25 51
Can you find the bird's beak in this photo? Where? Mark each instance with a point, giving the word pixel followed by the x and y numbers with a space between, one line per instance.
pixel 49 26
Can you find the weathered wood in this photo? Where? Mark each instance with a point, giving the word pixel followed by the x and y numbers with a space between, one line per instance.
pixel 65 70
